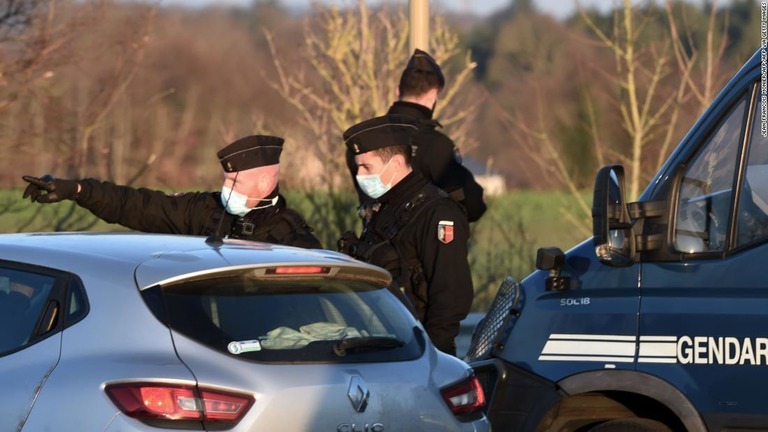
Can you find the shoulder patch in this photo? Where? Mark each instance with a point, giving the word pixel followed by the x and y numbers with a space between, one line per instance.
pixel 445 231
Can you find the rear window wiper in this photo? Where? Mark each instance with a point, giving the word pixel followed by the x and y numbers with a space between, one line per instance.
pixel 366 343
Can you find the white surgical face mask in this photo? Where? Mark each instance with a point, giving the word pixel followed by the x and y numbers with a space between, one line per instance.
pixel 237 203
pixel 372 185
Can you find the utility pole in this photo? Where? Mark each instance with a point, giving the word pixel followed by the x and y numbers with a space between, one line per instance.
pixel 419 25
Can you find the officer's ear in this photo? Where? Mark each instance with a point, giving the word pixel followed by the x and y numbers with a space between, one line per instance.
pixel 268 179
pixel 398 161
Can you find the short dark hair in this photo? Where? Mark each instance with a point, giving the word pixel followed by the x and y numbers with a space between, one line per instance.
pixel 414 82
pixel 386 153
pixel 421 74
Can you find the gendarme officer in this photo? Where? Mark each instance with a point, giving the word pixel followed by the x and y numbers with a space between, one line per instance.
pixel 411 228
pixel 249 205
pixel 435 155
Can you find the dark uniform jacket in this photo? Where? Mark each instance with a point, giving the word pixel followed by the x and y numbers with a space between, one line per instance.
pixel 436 157
pixel 420 235
pixel 193 213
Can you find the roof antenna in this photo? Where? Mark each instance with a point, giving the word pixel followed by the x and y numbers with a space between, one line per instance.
pixel 215 239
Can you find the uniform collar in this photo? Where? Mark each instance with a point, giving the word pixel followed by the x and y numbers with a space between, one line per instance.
pixel 266 212
pixel 411 109
pixel 404 190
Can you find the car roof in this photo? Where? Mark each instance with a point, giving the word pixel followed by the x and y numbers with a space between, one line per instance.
pixel 159 258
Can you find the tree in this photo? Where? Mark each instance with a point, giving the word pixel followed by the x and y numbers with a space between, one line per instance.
pixel 658 75
pixel 59 102
pixel 355 57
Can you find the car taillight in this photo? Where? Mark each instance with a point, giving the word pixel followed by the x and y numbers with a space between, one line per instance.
pixel 171 404
pixel 298 270
pixel 466 397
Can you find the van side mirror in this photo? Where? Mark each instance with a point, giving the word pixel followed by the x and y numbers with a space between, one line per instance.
pixel 553 260
pixel 612 232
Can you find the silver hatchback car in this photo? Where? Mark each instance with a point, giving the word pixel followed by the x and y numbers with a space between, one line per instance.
pixel 142 332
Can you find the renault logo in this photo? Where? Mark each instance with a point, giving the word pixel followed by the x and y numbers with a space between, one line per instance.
pixel 358 393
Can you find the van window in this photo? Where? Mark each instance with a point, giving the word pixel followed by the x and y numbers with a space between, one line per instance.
pixel 752 225
pixel 705 194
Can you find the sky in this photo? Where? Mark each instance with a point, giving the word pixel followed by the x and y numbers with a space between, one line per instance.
pixel 556 8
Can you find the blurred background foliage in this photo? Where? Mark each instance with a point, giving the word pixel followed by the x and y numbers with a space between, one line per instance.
pixel 144 94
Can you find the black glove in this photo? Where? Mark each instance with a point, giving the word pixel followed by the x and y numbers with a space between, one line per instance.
pixel 47 189
pixel 347 243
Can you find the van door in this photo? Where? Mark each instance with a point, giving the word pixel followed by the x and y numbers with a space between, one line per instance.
pixel 703 316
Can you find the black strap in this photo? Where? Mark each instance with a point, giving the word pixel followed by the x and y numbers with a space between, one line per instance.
pixel 244 228
pixel 410 210
pixel 296 221
pixel 289 224
pixel 405 214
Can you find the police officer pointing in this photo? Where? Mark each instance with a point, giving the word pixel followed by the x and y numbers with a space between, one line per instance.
pixel 411 228
pixel 249 205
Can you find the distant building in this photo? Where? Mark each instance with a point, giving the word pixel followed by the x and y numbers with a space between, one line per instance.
pixel 493 184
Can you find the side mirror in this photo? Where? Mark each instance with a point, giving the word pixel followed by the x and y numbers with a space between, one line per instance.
pixel 612 232
pixel 553 259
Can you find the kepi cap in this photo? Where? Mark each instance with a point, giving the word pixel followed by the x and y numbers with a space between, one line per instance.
pixel 251 152
pixel 422 61
pixel 379 132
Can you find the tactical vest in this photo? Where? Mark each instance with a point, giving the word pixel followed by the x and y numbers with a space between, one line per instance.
pixel 288 228
pixel 382 245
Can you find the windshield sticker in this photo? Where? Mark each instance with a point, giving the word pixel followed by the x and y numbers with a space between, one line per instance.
pixel 239 347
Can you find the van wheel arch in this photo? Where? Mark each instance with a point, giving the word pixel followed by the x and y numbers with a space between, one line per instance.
pixel 627 388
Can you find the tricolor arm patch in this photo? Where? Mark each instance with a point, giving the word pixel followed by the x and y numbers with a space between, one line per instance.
pixel 445 231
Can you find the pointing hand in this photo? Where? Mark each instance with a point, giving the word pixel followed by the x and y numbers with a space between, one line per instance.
pixel 47 189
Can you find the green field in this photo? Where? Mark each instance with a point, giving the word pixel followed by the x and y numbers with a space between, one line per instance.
pixel 503 242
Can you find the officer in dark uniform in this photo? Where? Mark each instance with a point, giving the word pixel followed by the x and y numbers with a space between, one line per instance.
pixel 434 153
pixel 249 205
pixel 411 228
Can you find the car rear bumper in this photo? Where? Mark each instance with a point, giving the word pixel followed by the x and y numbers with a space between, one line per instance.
pixel 517 398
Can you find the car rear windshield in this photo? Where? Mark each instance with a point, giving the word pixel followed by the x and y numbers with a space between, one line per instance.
pixel 294 320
